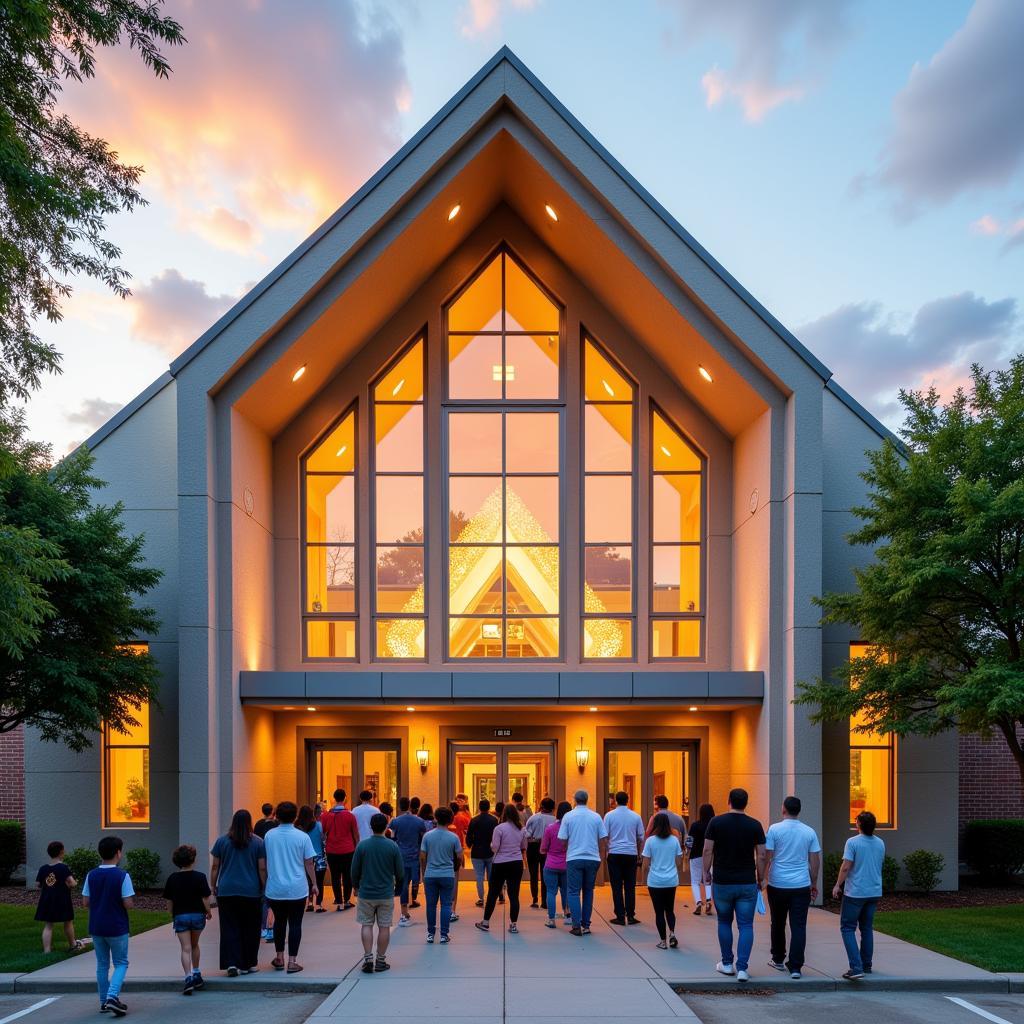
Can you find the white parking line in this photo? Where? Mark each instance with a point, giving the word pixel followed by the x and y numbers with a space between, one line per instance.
pixel 30 1009
pixel 959 1002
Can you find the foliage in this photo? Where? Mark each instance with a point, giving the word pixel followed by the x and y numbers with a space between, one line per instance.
pixel 943 600
pixel 144 867
pixel 830 865
pixel 81 861
pixel 924 868
pixel 58 184
pixel 890 873
pixel 12 842
pixel 994 847
pixel 74 672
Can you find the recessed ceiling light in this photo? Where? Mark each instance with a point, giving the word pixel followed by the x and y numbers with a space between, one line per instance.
pixel 298 373
pixel 704 373
pixel 667 453
pixel 397 387
pixel 593 709
pixel 551 213
pixel 608 387
pixel 410 708
pixel 289 707
pixel 694 708
pixel 311 709
pixel 454 211
pixel 341 451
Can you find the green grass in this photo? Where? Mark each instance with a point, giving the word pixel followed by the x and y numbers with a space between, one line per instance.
pixel 988 937
pixel 21 944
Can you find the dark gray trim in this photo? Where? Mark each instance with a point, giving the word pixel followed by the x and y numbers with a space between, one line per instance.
pixel 128 411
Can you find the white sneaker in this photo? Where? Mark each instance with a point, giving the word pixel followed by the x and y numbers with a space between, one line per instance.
pixel 742 976
pixel 725 968
pixel 405 922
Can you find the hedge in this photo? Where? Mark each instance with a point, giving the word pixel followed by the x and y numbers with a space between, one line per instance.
pixel 994 847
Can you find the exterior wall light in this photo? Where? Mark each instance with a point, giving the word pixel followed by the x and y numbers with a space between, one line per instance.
pixel 423 755
pixel 582 757
pixel 298 373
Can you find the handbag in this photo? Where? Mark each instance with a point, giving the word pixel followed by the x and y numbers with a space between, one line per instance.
pixel 761 908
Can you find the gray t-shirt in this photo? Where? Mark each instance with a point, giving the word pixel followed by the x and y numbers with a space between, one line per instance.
pixel 535 826
pixel 864 882
pixel 239 871
pixel 444 852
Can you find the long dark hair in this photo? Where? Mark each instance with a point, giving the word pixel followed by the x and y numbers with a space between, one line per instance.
pixel 706 813
pixel 426 812
pixel 661 826
pixel 511 815
pixel 563 809
pixel 306 819
pixel 240 831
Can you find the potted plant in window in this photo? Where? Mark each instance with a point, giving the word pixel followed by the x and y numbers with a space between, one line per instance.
pixel 858 799
pixel 138 799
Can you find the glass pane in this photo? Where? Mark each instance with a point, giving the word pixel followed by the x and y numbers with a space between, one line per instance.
pixel 330 509
pixel 128 785
pixel 675 584
pixel 474 581
pixel 608 435
pixel 337 452
pixel 399 439
pixel 676 501
pixel 532 575
pixel 531 638
pixel 625 774
pixel 607 638
pixel 531 440
pixel 527 308
pixel 474 509
pixel 331 579
pixel 399 508
pixel 404 381
pixel 529 773
pixel 136 735
pixel 474 442
pixel 608 573
pixel 531 366
pixel 675 638
pixel 474 366
pixel 399 579
pixel 478 308
pixel 331 639
pixel 401 638
pixel 474 638
pixel 333 771
pixel 602 381
pixel 608 513
pixel 671 452
pixel 380 775
pixel 476 775
pixel 670 779
pixel 870 775
pixel 531 509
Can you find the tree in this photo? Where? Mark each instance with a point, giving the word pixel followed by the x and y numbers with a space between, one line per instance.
pixel 58 183
pixel 69 669
pixel 942 603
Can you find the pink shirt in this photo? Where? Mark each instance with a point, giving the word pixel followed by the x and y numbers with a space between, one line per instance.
pixel 508 843
pixel 554 848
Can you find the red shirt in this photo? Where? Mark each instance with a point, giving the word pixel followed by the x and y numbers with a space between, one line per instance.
pixel 461 825
pixel 341 830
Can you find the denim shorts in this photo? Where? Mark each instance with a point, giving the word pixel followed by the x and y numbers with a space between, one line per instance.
pixel 189 922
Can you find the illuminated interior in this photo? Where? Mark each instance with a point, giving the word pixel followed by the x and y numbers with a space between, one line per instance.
pixel 872 762
pixel 126 765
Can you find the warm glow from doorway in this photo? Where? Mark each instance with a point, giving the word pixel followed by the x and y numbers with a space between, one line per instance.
pixel 298 373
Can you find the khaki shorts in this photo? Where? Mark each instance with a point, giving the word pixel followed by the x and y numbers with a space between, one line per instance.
pixel 379 912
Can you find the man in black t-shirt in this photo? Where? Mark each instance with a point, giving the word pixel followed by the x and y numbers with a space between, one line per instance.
pixel 734 864
pixel 267 822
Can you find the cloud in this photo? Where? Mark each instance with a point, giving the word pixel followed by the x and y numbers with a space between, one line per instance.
pixel 781 48
pixel 480 16
pixel 1011 230
pixel 92 413
pixel 957 124
pixel 274 113
pixel 986 225
pixel 172 311
pixel 874 353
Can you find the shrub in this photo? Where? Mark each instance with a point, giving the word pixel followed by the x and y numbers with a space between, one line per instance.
pixel 830 865
pixel 994 847
pixel 11 844
pixel 81 861
pixel 144 867
pixel 890 873
pixel 924 869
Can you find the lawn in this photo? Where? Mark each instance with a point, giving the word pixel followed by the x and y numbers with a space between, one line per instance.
pixel 21 947
pixel 988 937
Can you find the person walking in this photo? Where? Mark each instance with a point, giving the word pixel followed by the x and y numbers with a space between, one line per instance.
pixel 860 881
pixel 793 860
pixel 341 836
pixel 535 828
pixel 55 882
pixel 553 849
pixel 376 871
pixel 440 863
pixel 460 820
pixel 661 806
pixel 307 822
pixel 694 844
pixel 109 895
pixel 363 812
pixel 625 843
pixel 238 873
pixel 734 854
pixel 267 822
pixel 407 830
pixel 478 839
pixel 586 840
pixel 662 857
pixel 524 809
pixel 188 894
pixel 509 847
pixel 290 878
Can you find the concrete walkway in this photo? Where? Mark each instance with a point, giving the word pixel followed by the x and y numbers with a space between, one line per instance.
pixel 614 976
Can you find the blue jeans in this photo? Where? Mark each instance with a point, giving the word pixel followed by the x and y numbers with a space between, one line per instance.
pixel 443 888
pixel 482 870
pixel 854 913
pixel 581 877
pixel 110 948
pixel 411 870
pixel 555 879
pixel 740 900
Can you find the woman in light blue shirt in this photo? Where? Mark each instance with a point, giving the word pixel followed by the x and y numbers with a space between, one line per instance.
pixel 662 858
pixel 309 821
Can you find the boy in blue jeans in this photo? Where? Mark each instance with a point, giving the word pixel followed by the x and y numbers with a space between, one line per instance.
pixel 108 893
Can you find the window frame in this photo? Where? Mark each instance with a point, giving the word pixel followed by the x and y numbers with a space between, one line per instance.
pixel 106 746
pixel 889 745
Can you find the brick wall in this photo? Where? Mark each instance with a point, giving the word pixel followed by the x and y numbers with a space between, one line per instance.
pixel 12 772
pixel 989 779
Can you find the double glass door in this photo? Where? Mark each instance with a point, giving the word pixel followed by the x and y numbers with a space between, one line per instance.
pixel 496 771
pixel 648 770
pixel 354 767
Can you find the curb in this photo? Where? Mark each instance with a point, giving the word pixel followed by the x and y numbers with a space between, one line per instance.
pixel 996 983
pixel 24 983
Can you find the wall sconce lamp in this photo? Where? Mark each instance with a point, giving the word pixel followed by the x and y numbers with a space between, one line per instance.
pixel 423 755
pixel 582 757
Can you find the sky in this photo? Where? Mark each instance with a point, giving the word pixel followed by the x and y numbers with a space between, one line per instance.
pixel 857 164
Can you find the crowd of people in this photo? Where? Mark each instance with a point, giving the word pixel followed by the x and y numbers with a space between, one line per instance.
pixel 265 877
